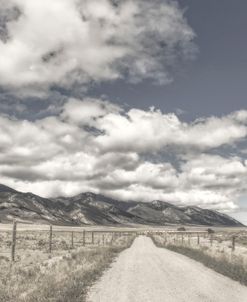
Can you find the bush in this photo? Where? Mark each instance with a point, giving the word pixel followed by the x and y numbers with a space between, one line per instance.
pixel 41 243
pixel 210 231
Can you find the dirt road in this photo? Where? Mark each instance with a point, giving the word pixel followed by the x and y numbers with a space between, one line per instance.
pixel 145 273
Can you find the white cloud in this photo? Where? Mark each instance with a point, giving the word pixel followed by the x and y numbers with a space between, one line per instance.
pixel 88 111
pixel 223 177
pixel 63 42
pixel 117 155
pixel 151 131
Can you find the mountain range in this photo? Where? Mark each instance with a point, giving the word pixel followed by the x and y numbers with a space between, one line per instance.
pixel 95 209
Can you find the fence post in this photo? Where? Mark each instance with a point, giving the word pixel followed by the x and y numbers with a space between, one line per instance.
pixel 188 239
pixel 13 245
pixel 92 237
pixel 84 238
pixel 72 240
pixel 198 239
pixel 50 239
pixel 233 243
pixel 211 240
pixel 103 239
pixel 182 239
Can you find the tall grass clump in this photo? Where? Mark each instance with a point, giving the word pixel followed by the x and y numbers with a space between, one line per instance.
pixel 58 279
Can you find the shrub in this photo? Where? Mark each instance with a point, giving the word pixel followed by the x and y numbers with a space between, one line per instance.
pixel 210 231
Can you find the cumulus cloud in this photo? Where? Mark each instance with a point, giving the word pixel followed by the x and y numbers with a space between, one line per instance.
pixel 95 145
pixel 152 130
pixel 66 42
pixel 88 111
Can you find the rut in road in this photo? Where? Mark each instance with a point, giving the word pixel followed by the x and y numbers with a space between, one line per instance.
pixel 146 273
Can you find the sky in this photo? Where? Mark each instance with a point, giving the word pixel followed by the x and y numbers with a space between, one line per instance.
pixel 133 99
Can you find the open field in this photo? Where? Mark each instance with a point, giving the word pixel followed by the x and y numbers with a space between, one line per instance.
pixel 60 263
pixel 62 273
pixel 231 243
pixel 223 251
pixel 47 239
pixel 63 238
pixel 62 277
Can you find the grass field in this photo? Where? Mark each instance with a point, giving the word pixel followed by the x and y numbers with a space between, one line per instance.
pixel 217 251
pixel 62 275
pixel 75 262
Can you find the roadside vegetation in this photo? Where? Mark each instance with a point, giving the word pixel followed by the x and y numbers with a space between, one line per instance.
pixel 63 276
pixel 232 265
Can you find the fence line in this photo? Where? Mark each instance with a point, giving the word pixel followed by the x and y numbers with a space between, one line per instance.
pixel 88 237
pixel 13 244
pixel 179 237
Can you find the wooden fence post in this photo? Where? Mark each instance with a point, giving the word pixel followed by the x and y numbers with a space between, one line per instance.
pixel 103 239
pixel 72 240
pixel 13 245
pixel 84 238
pixel 233 243
pixel 92 237
pixel 211 240
pixel 50 239
pixel 198 239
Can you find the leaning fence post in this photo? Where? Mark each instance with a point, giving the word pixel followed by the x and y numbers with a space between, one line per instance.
pixel 50 239
pixel 13 245
pixel 233 243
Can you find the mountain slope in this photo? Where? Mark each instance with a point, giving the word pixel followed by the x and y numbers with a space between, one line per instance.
pixel 95 209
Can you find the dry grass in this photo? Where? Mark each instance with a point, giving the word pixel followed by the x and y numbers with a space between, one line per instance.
pixel 63 276
pixel 222 261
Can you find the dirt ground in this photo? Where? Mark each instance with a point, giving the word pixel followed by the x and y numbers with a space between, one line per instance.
pixel 147 273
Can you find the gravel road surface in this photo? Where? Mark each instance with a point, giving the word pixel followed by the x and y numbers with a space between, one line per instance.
pixel 146 273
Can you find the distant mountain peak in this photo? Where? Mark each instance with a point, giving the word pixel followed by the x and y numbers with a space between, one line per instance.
pixel 92 209
pixel 4 188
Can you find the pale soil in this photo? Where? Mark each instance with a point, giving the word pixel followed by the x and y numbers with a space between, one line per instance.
pixel 145 273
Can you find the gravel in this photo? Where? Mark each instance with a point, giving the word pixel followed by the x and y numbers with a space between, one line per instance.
pixel 146 273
